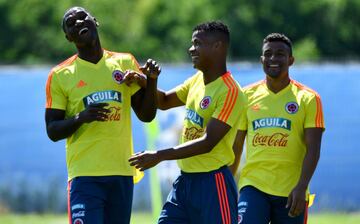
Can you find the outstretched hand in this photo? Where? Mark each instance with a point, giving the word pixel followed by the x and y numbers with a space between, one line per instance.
pixel 94 112
pixel 296 201
pixel 133 76
pixel 144 160
pixel 151 69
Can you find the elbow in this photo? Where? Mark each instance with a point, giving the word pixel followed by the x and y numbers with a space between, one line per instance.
pixel 148 117
pixel 52 135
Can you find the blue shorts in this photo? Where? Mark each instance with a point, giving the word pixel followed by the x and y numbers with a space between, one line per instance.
pixel 100 200
pixel 257 207
pixel 202 198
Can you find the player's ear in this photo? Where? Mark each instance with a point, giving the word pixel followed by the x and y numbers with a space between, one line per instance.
pixel 262 59
pixel 68 38
pixel 291 60
pixel 96 22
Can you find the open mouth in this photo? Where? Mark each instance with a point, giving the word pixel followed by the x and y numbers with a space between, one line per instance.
pixel 83 31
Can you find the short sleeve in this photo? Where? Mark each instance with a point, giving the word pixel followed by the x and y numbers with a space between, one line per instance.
pixel 314 117
pixel 230 104
pixel 55 97
pixel 183 89
pixel 243 123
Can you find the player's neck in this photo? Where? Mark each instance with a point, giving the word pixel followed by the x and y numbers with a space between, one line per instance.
pixel 275 85
pixel 91 53
pixel 213 73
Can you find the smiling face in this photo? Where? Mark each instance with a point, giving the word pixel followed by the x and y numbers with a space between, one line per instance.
pixel 276 59
pixel 79 26
pixel 201 50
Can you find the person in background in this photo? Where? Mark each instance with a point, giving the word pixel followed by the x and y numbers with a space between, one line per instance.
pixel 283 125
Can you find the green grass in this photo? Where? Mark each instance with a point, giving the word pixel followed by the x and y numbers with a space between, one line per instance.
pixel 145 218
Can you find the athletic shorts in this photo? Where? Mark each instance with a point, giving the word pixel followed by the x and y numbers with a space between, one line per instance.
pixel 202 198
pixel 100 200
pixel 257 207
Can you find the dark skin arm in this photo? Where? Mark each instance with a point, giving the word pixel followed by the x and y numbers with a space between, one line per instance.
pixel 238 148
pixel 215 131
pixel 296 199
pixel 165 100
pixel 144 102
pixel 57 127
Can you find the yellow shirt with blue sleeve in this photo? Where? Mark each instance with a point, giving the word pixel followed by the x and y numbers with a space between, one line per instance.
pixel 221 99
pixel 275 144
pixel 96 148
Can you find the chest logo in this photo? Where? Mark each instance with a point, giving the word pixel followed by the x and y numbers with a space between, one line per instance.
pixel 103 96
pixel 205 102
pixel 118 76
pixel 272 122
pixel 292 107
pixel 194 117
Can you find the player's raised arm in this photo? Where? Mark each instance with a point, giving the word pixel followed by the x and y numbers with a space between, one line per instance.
pixel 144 102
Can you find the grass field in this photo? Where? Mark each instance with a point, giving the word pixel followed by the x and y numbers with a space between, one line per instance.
pixel 145 218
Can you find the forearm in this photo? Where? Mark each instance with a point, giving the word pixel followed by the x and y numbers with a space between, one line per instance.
pixel 149 102
pixel 61 129
pixel 308 167
pixel 188 149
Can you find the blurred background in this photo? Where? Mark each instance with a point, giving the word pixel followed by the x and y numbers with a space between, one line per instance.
pixel 325 35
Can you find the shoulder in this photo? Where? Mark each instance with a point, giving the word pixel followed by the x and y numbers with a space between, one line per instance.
pixel 119 55
pixel 64 65
pixel 304 90
pixel 253 87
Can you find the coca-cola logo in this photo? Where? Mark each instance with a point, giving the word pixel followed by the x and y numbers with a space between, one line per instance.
pixel 114 114
pixel 274 140
pixel 193 133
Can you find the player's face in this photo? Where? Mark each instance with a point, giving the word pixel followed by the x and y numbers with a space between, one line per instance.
pixel 80 26
pixel 201 50
pixel 276 59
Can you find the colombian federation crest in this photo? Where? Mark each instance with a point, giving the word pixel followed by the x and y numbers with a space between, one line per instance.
pixel 118 76
pixel 292 107
pixel 205 102
pixel 78 221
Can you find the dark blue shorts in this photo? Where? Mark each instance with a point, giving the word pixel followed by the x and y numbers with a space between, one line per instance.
pixel 257 207
pixel 100 200
pixel 202 198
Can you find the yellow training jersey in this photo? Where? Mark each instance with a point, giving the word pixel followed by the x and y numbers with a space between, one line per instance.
pixel 221 99
pixel 275 146
pixel 96 148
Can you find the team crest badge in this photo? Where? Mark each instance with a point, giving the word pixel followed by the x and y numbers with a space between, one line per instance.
pixel 118 76
pixel 205 102
pixel 78 221
pixel 291 107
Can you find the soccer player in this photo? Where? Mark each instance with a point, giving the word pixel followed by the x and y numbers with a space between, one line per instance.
pixel 88 104
pixel 283 126
pixel 205 191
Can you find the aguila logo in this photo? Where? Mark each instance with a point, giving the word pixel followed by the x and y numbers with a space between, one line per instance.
pixel 118 76
pixel 78 221
pixel 205 102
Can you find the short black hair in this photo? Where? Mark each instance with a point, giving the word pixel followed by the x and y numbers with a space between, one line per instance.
pixel 272 37
pixel 68 12
pixel 215 27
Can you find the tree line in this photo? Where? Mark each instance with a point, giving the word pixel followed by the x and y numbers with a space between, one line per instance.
pixel 31 30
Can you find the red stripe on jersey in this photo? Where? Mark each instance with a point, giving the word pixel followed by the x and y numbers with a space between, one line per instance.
pixel 319 120
pixel 48 82
pixel 230 98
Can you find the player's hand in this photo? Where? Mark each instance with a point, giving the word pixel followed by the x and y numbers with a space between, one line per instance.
pixel 93 112
pixel 151 69
pixel 296 201
pixel 144 160
pixel 133 76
